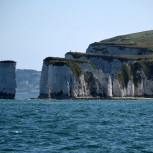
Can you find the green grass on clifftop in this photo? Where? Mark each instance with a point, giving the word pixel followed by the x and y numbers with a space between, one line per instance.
pixel 73 64
pixel 135 40
pixel 78 55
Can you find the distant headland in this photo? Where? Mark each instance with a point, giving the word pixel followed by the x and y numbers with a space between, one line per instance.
pixel 117 67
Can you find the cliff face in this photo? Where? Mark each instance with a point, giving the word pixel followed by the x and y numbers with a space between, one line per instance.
pixel 118 67
pixel 116 50
pixel 65 78
pixel 126 76
pixel 7 79
pixel 62 79
pixel 133 44
pixel 137 78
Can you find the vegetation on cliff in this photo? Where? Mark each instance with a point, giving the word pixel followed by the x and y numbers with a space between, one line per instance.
pixel 72 63
pixel 125 58
pixel 136 72
pixel 78 55
pixel 135 40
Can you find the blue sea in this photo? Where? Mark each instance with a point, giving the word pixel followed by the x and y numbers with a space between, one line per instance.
pixel 81 126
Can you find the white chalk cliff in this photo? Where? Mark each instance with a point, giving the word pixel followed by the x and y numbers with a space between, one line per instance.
pixel 117 67
pixel 66 78
pixel 7 79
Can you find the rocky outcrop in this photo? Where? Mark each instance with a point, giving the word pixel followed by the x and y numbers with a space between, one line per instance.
pixel 127 76
pixel 117 67
pixel 136 79
pixel 62 79
pixel 66 78
pixel 7 79
pixel 132 44
pixel 116 50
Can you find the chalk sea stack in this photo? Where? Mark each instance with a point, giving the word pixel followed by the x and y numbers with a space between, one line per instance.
pixel 117 67
pixel 7 79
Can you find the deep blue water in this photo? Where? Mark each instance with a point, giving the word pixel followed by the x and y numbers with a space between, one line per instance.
pixel 41 126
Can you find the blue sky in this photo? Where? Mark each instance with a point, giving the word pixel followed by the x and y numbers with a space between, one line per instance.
pixel 31 30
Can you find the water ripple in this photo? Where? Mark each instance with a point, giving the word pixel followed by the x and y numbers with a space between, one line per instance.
pixel 76 126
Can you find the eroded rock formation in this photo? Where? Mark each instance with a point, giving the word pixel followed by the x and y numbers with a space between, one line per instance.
pixel 69 78
pixel 7 79
pixel 118 67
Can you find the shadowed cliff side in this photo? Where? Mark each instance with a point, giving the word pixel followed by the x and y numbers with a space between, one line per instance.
pixel 7 79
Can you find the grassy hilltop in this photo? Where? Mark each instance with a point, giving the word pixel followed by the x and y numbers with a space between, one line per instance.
pixel 135 40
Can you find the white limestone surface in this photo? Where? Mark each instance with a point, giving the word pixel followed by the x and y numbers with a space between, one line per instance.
pixel 116 50
pixel 7 80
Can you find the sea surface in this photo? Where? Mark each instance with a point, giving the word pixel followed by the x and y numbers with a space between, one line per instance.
pixel 82 126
